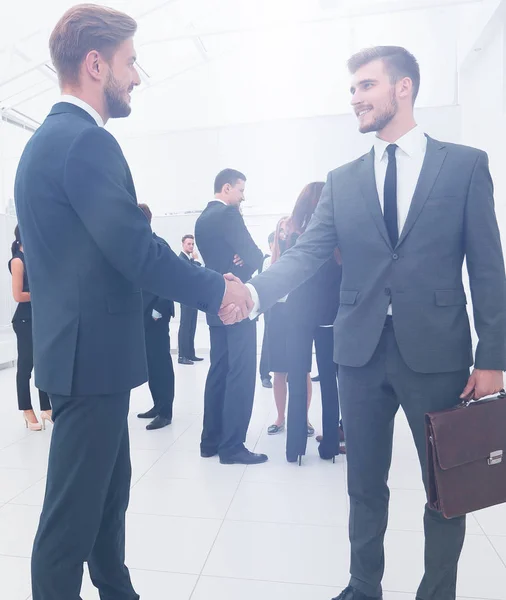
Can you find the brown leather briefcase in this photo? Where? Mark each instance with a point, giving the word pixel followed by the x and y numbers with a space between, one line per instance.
pixel 467 456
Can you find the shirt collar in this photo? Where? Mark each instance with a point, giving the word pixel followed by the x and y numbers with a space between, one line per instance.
pixel 218 200
pixel 412 144
pixel 85 106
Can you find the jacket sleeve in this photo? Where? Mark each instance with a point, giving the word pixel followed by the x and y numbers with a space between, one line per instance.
pixel 239 238
pixel 95 182
pixel 298 264
pixel 485 265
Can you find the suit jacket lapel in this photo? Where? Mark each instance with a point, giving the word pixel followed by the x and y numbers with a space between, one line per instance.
pixel 432 164
pixel 367 179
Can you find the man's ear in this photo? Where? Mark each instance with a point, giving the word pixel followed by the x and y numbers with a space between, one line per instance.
pixel 94 65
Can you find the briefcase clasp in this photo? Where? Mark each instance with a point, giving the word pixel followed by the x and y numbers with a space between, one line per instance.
pixel 495 458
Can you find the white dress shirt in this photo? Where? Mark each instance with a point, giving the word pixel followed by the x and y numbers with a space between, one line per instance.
pixel 409 155
pixel 85 106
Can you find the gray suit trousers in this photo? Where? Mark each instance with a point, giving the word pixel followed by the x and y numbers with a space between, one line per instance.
pixel 370 397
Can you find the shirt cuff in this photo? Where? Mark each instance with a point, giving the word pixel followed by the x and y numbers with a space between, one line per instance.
pixel 256 301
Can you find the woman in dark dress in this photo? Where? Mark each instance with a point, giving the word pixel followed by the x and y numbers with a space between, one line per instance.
pixel 277 340
pixel 22 325
pixel 309 309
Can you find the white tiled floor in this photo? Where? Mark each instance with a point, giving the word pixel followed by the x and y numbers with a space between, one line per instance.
pixel 202 531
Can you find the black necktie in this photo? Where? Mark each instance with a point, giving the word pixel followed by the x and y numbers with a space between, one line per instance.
pixel 390 197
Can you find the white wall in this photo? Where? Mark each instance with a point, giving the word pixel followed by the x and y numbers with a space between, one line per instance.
pixel 483 100
pixel 174 172
pixel 12 142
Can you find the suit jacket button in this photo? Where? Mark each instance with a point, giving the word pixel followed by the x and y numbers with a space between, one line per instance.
pixel 388 292
pixel 395 257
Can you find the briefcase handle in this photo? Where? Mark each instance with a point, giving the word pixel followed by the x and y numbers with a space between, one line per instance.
pixel 466 403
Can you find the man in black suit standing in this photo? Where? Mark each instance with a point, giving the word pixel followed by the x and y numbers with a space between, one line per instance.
pixel 188 325
pixel 89 251
pixel 227 247
pixel 404 218
pixel 157 314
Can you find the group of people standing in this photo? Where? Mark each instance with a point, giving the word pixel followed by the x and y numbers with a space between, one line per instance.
pixel 404 217
pixel 293 324
pixel 227 247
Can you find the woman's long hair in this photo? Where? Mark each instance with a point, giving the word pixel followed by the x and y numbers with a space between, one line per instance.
pixel 279 240
pixel 304 208
pixel 16 244
pixel 303 211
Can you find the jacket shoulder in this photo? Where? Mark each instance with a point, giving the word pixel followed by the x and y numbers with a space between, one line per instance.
pixel 348 167
pixel 460 149
pixel 92 136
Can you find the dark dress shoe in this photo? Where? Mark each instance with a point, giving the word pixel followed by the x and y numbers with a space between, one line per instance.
pixel 352 594
pixel 196 359
pixel 158 423
pixel 244 457
pixel 267 383
pixel 208 453
pixel 151 414
pixel 185 361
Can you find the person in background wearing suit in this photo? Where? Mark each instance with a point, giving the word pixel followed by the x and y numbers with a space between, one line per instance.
pixel 404 218
pixel 188 325
pixel 311 305
pixel 22 325
pixel 89 252
pixel 227 246
pixel 157 314
pixel 264 369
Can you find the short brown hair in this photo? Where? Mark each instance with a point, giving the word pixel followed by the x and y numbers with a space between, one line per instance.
pixel 230 176
pixel 84 28
pixel 188 236
pixel 398 61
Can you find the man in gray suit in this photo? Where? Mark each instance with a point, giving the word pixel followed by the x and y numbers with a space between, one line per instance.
pixel 404 217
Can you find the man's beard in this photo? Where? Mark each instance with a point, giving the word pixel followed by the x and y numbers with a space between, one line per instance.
pixel 383 119
pixel 117 107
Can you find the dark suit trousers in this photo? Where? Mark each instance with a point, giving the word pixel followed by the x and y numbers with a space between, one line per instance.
pixel 160 368
pixel 370 397
pixel 265 372
pixel 187 329
pixel 23 330
pixel 230 388
pixel 299 356
pixel 327 370
pixel 87 493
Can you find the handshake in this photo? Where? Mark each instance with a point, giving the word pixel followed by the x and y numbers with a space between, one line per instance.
pixel 237 302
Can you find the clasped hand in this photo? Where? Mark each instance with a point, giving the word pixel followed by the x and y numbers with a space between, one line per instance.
pixel 237 303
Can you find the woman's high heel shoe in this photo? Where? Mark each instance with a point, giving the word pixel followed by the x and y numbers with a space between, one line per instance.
pixel 294 459
pixel 32 426
pixel 45 416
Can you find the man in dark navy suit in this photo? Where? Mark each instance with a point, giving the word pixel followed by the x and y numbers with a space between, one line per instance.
pixel 227 247
pixel 157 314
pixel 188 326
pixel 90 251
